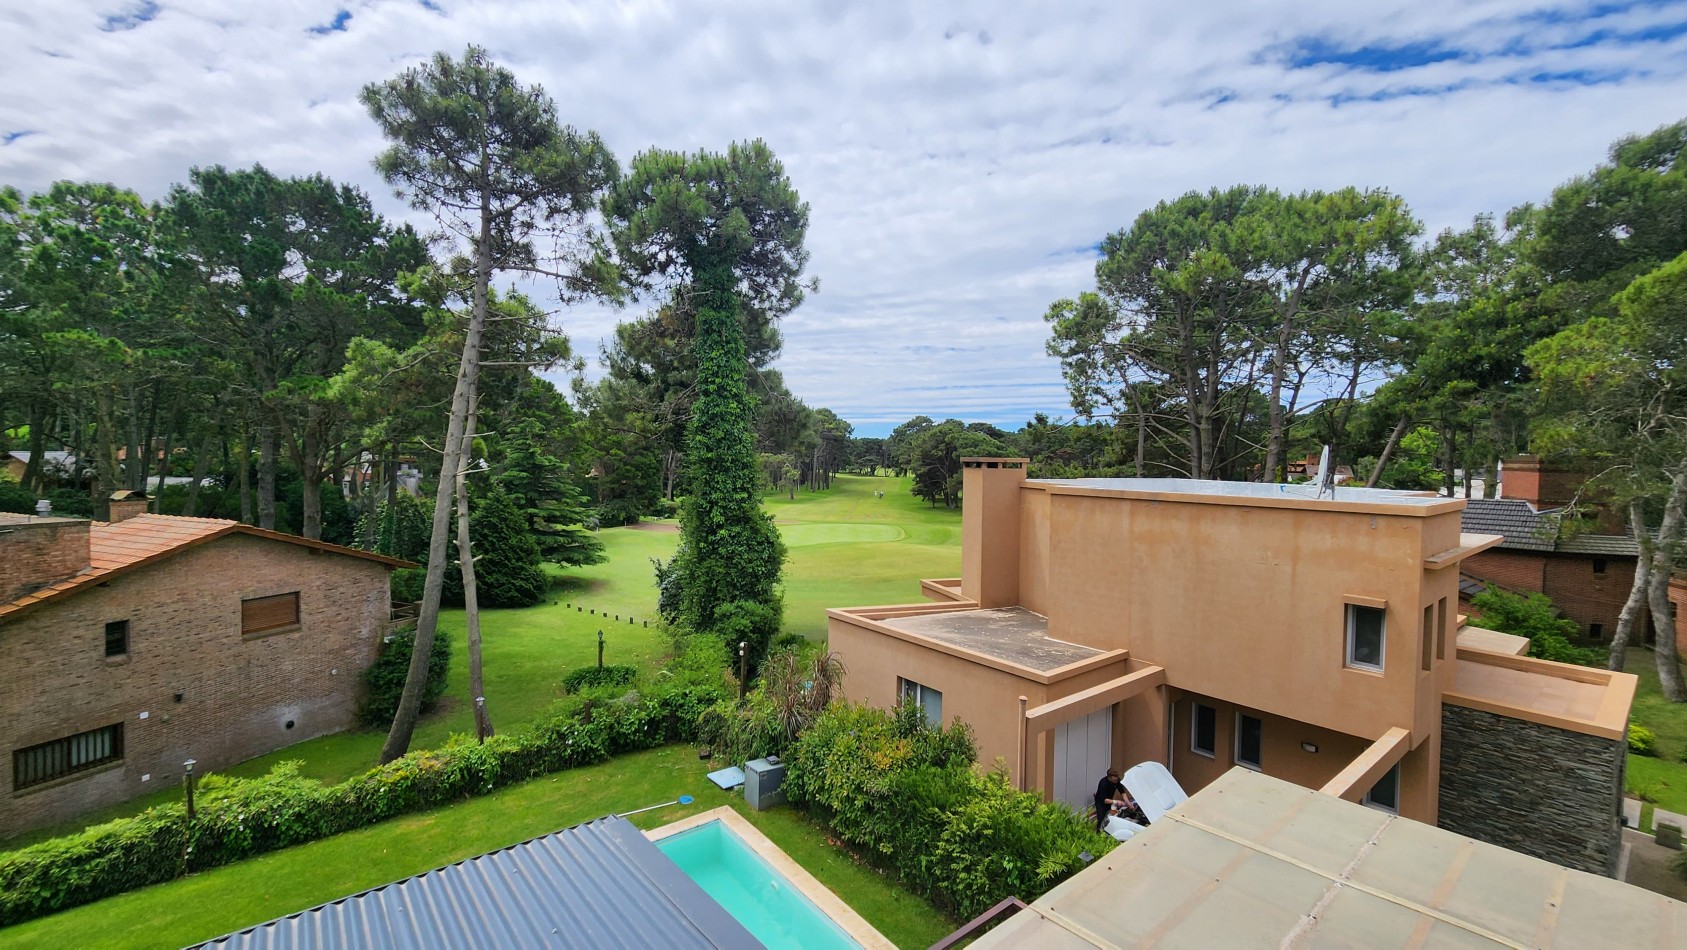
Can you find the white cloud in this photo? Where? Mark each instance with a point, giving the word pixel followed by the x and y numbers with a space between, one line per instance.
pixel 959 161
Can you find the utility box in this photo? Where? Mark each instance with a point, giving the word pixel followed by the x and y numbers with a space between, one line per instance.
pixel 762 784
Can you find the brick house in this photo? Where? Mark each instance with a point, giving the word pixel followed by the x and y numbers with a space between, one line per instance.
pixel 1586 568
pixel 132 646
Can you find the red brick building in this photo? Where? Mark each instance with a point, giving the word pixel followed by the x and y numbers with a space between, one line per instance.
pixel 128 648
pixel 1586 565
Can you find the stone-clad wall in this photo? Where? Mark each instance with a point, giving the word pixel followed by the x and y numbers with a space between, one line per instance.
pixel 1537 789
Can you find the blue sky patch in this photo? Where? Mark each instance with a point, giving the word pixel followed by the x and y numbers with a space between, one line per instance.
pixel 7 138
pixel 118 22
pixel 1372 57
pixel 336 25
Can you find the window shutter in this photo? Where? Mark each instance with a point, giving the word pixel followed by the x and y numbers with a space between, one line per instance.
pixel 269 613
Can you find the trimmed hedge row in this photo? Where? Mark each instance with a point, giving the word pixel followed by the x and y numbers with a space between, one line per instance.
pixel 586 677
pixel 238 818
pixel 909 797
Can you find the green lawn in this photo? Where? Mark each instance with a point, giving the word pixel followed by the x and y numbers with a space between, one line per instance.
pixel 225 899
pixel 1663 778
pixel 847 548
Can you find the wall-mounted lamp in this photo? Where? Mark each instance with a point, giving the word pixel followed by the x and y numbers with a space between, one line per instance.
pixel 1309 747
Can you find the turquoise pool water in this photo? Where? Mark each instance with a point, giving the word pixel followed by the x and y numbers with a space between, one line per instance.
pixel 751 890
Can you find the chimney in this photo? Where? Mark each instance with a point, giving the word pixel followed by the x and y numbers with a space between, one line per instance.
pixel 1552 483
pixel 125 504
pixel 990 530
pixel 35 552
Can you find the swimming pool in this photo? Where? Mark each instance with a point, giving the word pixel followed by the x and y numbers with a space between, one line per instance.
pixel 750 889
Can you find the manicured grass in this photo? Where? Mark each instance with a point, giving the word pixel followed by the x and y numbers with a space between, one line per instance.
pixel 219 901
pixel 1663 778
pixel 847 548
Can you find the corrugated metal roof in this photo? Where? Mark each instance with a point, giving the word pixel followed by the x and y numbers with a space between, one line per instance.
pixel 1253 861
pixel 598 884
pixel 1526 529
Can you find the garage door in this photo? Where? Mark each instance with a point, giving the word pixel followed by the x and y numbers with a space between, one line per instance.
pixel 1083 752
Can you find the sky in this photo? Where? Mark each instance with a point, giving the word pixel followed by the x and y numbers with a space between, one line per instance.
pixel 961 161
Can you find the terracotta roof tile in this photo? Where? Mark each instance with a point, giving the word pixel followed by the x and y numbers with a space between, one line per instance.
pixel 125 544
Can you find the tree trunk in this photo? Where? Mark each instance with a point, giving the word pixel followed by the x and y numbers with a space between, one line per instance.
pixel 1663 564
pixel 310 482
pixel 34 471
pixel 1387 451
pixel 1449 443
pixel 1637 593
pixel 201 468
pixel 245 472
pixel 163 470
pixel 266 474
pixel 471 595
pixel 427 621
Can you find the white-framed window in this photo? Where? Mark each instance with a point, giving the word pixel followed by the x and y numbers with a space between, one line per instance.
pixel 1385 794
pixel 1203 730
pixel 924 697
pixel 1365 637
pixel 1250 737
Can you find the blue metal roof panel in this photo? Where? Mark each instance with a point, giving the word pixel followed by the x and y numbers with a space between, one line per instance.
pixel 599 884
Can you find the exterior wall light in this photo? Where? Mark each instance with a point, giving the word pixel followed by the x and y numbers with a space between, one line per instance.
pixel 1309 747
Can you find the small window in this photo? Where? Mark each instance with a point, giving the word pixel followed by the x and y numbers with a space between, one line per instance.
pixel 1595 631
pixel 117 638
pixel 1365 637
pixel 1598 565
pixel 42 763
pixel 1203 730
pixel 1428 645
pixel 924 697
pixel 1250 736
pixel 261 614
pixel 1385 794
pixel 1441 629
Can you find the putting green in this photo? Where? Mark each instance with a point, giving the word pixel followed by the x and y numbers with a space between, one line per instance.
pixel 800 535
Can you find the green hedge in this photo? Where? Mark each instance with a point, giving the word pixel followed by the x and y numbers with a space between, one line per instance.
pixel 586 677
pixel 238 818
pixel 384 679
pixel 1641 741
pixel 909 797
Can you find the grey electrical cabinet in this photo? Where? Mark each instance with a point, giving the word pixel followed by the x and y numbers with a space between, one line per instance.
pixel 762 781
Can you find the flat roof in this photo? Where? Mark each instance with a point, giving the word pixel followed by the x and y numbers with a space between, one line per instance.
pixel 1013 634
pixel 1492 641
pixel 1255 493
pixel 1254 861
pixel 1577 698
pixel 598 884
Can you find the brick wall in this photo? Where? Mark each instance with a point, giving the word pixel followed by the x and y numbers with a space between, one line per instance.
pixel 240 697
pixel 1544 791
pixel 1569 579
pixel 35 552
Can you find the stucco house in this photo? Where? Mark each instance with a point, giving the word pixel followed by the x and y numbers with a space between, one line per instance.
pixel 129 647
pixel 1205 625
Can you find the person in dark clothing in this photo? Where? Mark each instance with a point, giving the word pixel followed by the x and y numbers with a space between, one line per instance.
pixel 1109 792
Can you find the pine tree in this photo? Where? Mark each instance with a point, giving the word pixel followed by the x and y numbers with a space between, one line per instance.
pixel 539 484
pixel 506 558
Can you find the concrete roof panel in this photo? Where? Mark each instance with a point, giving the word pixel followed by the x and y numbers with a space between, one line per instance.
pixel 1013 634
pixel 1230 867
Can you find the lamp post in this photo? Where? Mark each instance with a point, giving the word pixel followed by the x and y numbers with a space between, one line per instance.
pixel 743 668
pixel 600 649
pixel 187 786
pixel 480 718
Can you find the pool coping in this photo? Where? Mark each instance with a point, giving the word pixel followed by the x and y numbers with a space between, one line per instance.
pixel 819 894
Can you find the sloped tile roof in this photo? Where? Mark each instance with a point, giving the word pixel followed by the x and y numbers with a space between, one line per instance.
pixel 1526 529
pixel 116 548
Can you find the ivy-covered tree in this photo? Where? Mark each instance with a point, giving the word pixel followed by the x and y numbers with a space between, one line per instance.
pixel 728 231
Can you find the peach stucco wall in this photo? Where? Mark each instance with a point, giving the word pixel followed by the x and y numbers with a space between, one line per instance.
pixel 985 698
pixel 1250 603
